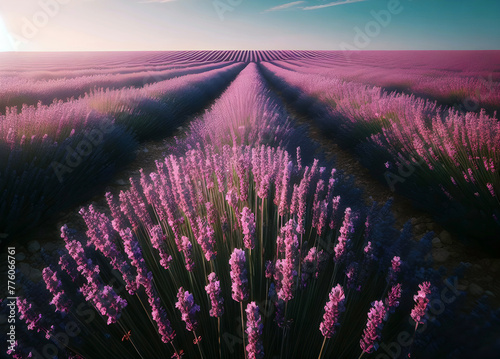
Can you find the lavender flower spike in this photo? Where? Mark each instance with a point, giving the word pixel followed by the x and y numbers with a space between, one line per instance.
pixel 394 270
pixel 239 275
pixel 60 299
pixel 206 239
pixel 188 309
pixel 214 292
pixel 255 348
pixel 371 334
pixel 187 249
pixel 289 264
pixel 345 235
pixel 392 300
pixel 333 308
pixel 248 225
pixel 422 302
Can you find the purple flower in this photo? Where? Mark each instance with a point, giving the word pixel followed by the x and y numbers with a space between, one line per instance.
pixel 392 300
pixel 471 175
pixel 285 193
pixel 269 269
pixel 238 275
pixel 27 313
pixel 248 225
pixel 158 241
pixel 394 270
pixel 345 236
pixel 232 198
pixel 211 213
pixel 133 250
pixel 103 297
pixel 299 159
pixel 187 249
pixel 205 236
pixel 188 308
pixel 160 316
pixel 60 299
pixel 312 265
pixel 317 203
pixel 351 273
pixel 333 308
pixel 369 251
pixel 110 304
pixel 255 348
pixel 490 188
pixel 68 265
pixel 51 281
pixel 127 208
pixel 421 303
pixel 322 217
pixel 335 206
pixel 214 292
pixel 289 264
pixel 102 235
pixel 119 222
pixel 371 334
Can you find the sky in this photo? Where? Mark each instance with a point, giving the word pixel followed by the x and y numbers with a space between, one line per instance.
pixel 157 25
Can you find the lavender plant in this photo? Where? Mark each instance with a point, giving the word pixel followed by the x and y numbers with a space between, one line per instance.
pixel 284 316
pixel 443 159
pixel 85 141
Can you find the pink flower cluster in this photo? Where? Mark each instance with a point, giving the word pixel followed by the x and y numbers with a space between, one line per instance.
pixel 333 308
pixel 239 275
pixel 421 303
pixel 254 348
pixel 188 308
pixel 372 332
pixel 214 292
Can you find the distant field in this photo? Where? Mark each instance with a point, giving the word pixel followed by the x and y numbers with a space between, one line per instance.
pixel 243 205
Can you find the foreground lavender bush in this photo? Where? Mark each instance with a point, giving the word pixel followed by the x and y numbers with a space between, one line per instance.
pixel 278 235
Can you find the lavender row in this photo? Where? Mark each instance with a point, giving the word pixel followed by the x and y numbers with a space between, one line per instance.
pixel 461 86
pixel 53 155
pixel 38 73
pixel 19 92
pixel 443 159
pixel 247 113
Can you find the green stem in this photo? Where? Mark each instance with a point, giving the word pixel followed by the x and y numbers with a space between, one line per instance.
pixel 322 347
pixel 243 329
pixel 218 331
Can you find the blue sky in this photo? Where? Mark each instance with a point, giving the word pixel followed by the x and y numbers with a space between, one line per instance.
pixel 83 25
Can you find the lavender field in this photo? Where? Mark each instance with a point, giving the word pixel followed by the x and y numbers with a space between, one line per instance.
pixel 243 236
